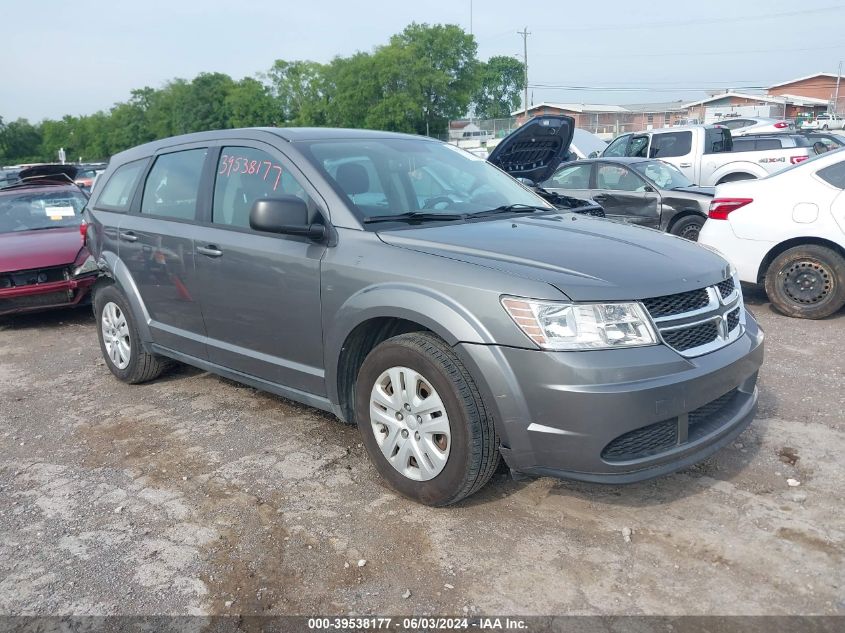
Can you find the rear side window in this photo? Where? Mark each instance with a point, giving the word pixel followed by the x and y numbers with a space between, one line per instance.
pixel 834 175
pixel 717 139
pixel 744 145
pixel 671 144
pixel 768 143
pixel 117 192
pixel 173 185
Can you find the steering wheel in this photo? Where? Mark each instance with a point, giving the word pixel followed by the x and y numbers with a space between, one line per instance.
pixel 432 202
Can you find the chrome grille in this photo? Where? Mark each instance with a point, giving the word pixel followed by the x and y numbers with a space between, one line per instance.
pixel 699 321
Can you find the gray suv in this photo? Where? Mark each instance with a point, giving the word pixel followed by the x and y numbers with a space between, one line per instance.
pixel 427 296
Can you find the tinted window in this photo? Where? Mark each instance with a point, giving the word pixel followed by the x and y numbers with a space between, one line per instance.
pixel 744 145
pixel 638 146
pixel 117 192
pixel 618 178
pixel 173 185
pixel 768 143
pixel 243 176
pixel 572 177
pixel 717 139
pixel 734 124
pixel 834 175
pixel 671 144
pixel 617 147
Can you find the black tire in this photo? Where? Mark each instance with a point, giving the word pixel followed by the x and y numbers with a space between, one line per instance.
pixel 688 227
pixel 807 282
pixel 142 366
pixel 474 444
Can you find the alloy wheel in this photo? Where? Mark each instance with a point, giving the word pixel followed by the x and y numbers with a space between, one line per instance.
pixel 116 335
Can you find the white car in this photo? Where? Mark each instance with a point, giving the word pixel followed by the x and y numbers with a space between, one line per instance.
pixel 787 231
pixel 756 125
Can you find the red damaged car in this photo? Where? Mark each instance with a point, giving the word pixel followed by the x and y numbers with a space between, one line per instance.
pixel 43 260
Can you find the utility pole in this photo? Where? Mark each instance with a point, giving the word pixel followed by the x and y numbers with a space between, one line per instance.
pixel 525 33
pixel 470 17
pixel 836 94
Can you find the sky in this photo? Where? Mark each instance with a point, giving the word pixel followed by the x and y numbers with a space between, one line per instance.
pixel 83 56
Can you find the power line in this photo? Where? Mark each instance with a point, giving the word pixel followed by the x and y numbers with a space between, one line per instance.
pixel 704 53
pixel 695 21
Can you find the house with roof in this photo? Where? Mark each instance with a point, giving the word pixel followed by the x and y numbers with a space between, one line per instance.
pixel 731 103
pixel 821 86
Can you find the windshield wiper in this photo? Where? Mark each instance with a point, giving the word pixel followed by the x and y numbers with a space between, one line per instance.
pixel 414 216
pixel 511 208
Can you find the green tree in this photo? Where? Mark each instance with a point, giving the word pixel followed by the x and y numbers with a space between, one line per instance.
pixel 298 88
pixel 251 104
pixel 502 80
pixel 20 142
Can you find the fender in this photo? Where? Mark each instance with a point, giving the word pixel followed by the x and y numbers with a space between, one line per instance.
pixel 438 312
pixel 738 167
pixel 112 267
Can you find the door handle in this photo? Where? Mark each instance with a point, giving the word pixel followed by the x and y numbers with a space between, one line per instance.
pixel 128 236
pixel 685 165
pixel 209 251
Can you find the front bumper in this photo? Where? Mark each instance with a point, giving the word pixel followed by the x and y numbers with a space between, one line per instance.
pixel 46 296
pixel 616 416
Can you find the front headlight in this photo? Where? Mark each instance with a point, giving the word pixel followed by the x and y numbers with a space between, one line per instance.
pixel 89 266
pixel 559 326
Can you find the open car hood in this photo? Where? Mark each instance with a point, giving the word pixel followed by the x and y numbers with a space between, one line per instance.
pixel 536 149
pixel 52 173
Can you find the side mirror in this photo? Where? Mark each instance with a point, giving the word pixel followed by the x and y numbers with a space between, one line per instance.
pixel 527 182
pixel 649 189
pixel 594 154
pixel 287 215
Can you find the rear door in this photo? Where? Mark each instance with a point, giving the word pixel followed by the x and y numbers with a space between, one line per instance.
pixel 625 196
pixel 156 245
pixel 260 292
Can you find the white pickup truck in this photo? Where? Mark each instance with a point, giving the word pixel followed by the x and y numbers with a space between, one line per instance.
pixel 826 121
pixel 706 153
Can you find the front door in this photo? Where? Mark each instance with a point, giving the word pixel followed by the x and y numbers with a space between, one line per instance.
pixel 260 292
pixel 156 246
pixel 625 196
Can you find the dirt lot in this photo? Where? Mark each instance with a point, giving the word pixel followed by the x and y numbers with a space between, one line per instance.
pixel 195 495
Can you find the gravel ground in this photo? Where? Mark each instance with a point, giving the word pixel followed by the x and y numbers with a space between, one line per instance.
pixel 196 495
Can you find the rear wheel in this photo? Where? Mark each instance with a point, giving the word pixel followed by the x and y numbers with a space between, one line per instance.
pixel 688 227
pixel 119 340
pixel 423 421
pixel 807 282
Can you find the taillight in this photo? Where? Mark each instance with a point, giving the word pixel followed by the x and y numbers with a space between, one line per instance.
pixel 83 230
pixel 721 207
pixel 797 159
pixel 781 124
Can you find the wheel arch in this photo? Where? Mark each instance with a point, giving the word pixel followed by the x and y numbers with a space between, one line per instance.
pixel 375 314
pixel 792 243
pixel 114 271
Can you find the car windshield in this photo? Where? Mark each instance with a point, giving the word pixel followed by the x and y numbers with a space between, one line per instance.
pixel 43 209
pixel 662 174
pixel 385 177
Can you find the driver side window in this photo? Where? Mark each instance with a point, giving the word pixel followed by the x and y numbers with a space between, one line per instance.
pixel 618 146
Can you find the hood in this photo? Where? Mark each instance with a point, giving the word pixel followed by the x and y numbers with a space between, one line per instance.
pixel 27 250
pixel 588 259
pixel 536 149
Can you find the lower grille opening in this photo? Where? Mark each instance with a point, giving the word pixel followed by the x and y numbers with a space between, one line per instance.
pixel 649 440
pixel 36 301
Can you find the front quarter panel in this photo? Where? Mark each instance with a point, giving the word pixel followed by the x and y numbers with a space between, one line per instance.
pixel 460 302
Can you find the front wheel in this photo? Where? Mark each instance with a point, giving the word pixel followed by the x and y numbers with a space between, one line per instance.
pixel 688 227
pixel 807 282
pixel 423 421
